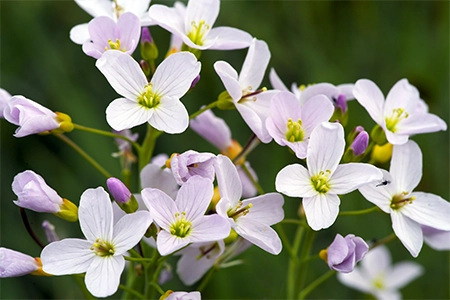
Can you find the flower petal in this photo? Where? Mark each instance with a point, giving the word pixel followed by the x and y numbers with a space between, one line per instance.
pixel 228 38
pixel 167 243
pixel 349 177
pixel 96 8
pixel 321 210
pixel 276 81
pixel 406 166
pixel 380 195
pixel 228 181
pixel 259 234
pixel 103 276
pixel 408 231
pixel 255 65
pixel 317 110
pixel 168 18
pixel 170 116
pixel 123 113
pixel 79 34
pixel 152 176
pixel 294 181
pixel 401 274
pixel 210 228
pixel 201 10
pixel 194 197
pixel 371 98
pixel 356 280
pixel 266 209
pixel 129 230
pixel 229 78
pixel 161 207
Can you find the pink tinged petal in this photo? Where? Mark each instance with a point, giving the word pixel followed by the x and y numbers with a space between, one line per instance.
pixel 130 230
pixel 14 263
pixel 380 195
pixel 259 234
pixel 4 98
pixel 79 34
pixel 68 256
pixel 436 239
pixel 406 166
pixel 222 208
pixel 96 8
pixel 129 28
pixel 402 95
pixel 213 129
pixel 371 98
pixel 248 189
pixel 102 29
pixel 123 73
pixel 123 113
pixel 255 65
pixel 429 210
pixel 351 176
pixel 266 209
pixel 230 186
pixel 229 78
pixel 325 148
pixel 168 243
pixel 168 18
pixel 227 38
pixel 337 252
pixel 170 116
pixel 356 280
pixel 95 214
pixel 209 228
pixel 194 197
pixel 152 176
pixel 276 82
pixel 321 210
pixel 326 89
pixel 402 273
pixel 420 123
pixel 319 109
pixel 162 208
pixel 93 50
pixel 295 181
pixel 300 148
pixel 408 231
pixel 103 275
pixel 346 89
pixel 174 75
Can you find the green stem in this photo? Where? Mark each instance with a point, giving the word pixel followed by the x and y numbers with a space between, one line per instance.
pixel 293 261
pixel 136 259
pixel 251 144
pixel 359 212
pixel 306 249
pixel 157 287
pixel 203 109
pixel 206 279
pixel 84 290
pixel 131 291
pixel 86 156
pixel 252 179
pixel 313 285
pixel 385 240
pixel 285 240
pixel 148 145
pixel 106 133
pixel 295 221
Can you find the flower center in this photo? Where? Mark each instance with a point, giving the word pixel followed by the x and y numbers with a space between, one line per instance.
pixel 396 116
pixel 102 248
pixel 400 200
pixel 378 282
pixel 239 211
pixel 294 131
pixel 206 251
pixel 148 98
pixel 181 227
pixel 320 181
pixel 197 32
pixel 114 45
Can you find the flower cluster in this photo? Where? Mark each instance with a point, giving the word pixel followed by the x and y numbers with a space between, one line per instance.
pixel 208 208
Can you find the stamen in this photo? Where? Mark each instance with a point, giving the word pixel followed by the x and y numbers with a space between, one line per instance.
pixel 294 131
pixel 114 45
pixel 320 182
pixel 396 116
pixel 400 200
pixel 102 248
pixel 197 32
pixel 181 227
pixel 148 98
pixel 237 211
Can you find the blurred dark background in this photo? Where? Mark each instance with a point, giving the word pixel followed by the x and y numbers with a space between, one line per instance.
pixel 310 41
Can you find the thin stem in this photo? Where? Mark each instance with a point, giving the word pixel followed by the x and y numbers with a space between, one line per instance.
pixel 306 249
pixel 252 179
pixel 148 145
pixel 206 279
pixel 30 231
pixel 295 221
pixel 137 259
pixel 157 287
pixel 385 240
pixel 285 240
pixel 86 156
pixel 313 285
pixel 293 261
pixel 106 133
pixel 251 144
pixel 359 212
pixel 131 291
pixel 84 290
pixel 203 109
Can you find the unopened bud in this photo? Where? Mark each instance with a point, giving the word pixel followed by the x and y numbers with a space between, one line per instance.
pixel 68 211
pixel 194 82
pixel 381 154
pixel 378 135
pixel 360 143
pixel 50 233
pixel 65 123
pixel 149 51
pixel 225 102
pixel 122 195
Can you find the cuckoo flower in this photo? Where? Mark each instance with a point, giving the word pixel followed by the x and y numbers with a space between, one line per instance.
pixel 251 103
pixel 402 114
pixel 100 256
pixel 195 26
pixel 157 102
pixel 344 252
pixel 250 218
pixel 14 264
pixel 105 34
pixel 435 238
pixel 191 163
pixel 291 124
pixel 4 98
pixel 325 179
pixel 79 34
pixel 183 221
pixel 378 277
pixel 409 210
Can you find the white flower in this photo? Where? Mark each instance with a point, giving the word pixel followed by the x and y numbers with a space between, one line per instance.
pixel 101 254
pixel 376 276
pixel 325 179
pixel 408 209
pixel 157 102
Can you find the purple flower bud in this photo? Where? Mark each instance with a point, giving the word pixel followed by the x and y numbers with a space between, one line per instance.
pixel 146 36
pixel 4 98
pixel 50 233
pixel 340 102
pixel 118 190
pixel 344 253
pixel 194 82
pixel 13 263
pixel 191 163
pixel 360 143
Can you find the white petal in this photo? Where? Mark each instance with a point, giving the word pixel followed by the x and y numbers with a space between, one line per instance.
pixel 322 210
pixel 79 34
pixel 168 18
pixel 167 243
pixel 439 240
pixel 325 148
pixel 174 75
pixel 317 110
pixel 403 273
pixel 356 280
pixel 428 209
pixel 349 177
pixel 161 207
pixel 380 195
pixel 266 209
pixel 103 276
pixel 408 232
pixel 123 73
pixel 294 181
pixel 95 214
pixel 229 78
pixel 227 38
pixel 228 181
pixel 170 116
pixel 123 114
pixel 403 95
pixel 210 228
pixel 96 8
pixel 259 234
pixel 194 197
pixel 255 65
pixel 129 230
pixel 371 98
pixel 68 256
pixel 421 123
pixel 276 81
pixel 376 261
pixel 152 176
pixel 406 166
pixel 201 10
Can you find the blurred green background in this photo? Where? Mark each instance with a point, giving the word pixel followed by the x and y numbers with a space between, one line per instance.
pixel 310 41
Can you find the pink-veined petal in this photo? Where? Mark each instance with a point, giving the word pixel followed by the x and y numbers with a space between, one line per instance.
pixel 230 186
pixel 408 231
pixel 276 81
pixel 102 29
pixel 380 195
pixel 130 31
pixel 93 50
pixel 129 230
pixel 402 273
pixel 421 123
pixel 436 239
pixel 266 209
pixel 317 110
pixel 95 214
pixel 283 106
pixel 68 256
pixel 229 78
pixel 406 166
pixel 139 8
pixel 255 65
pixel 209 228
pixel 194 197
pixel 123 113
pixel 351 176
pixel 213 129
pixel 325 89
pixel 103 276
pixel 168 243
pixel 161 207
pixel 321 210
pixel 228 38
pixel 259 234
pixel 294 181
pixel 170 116
pixel 396 139
pixel 371 98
